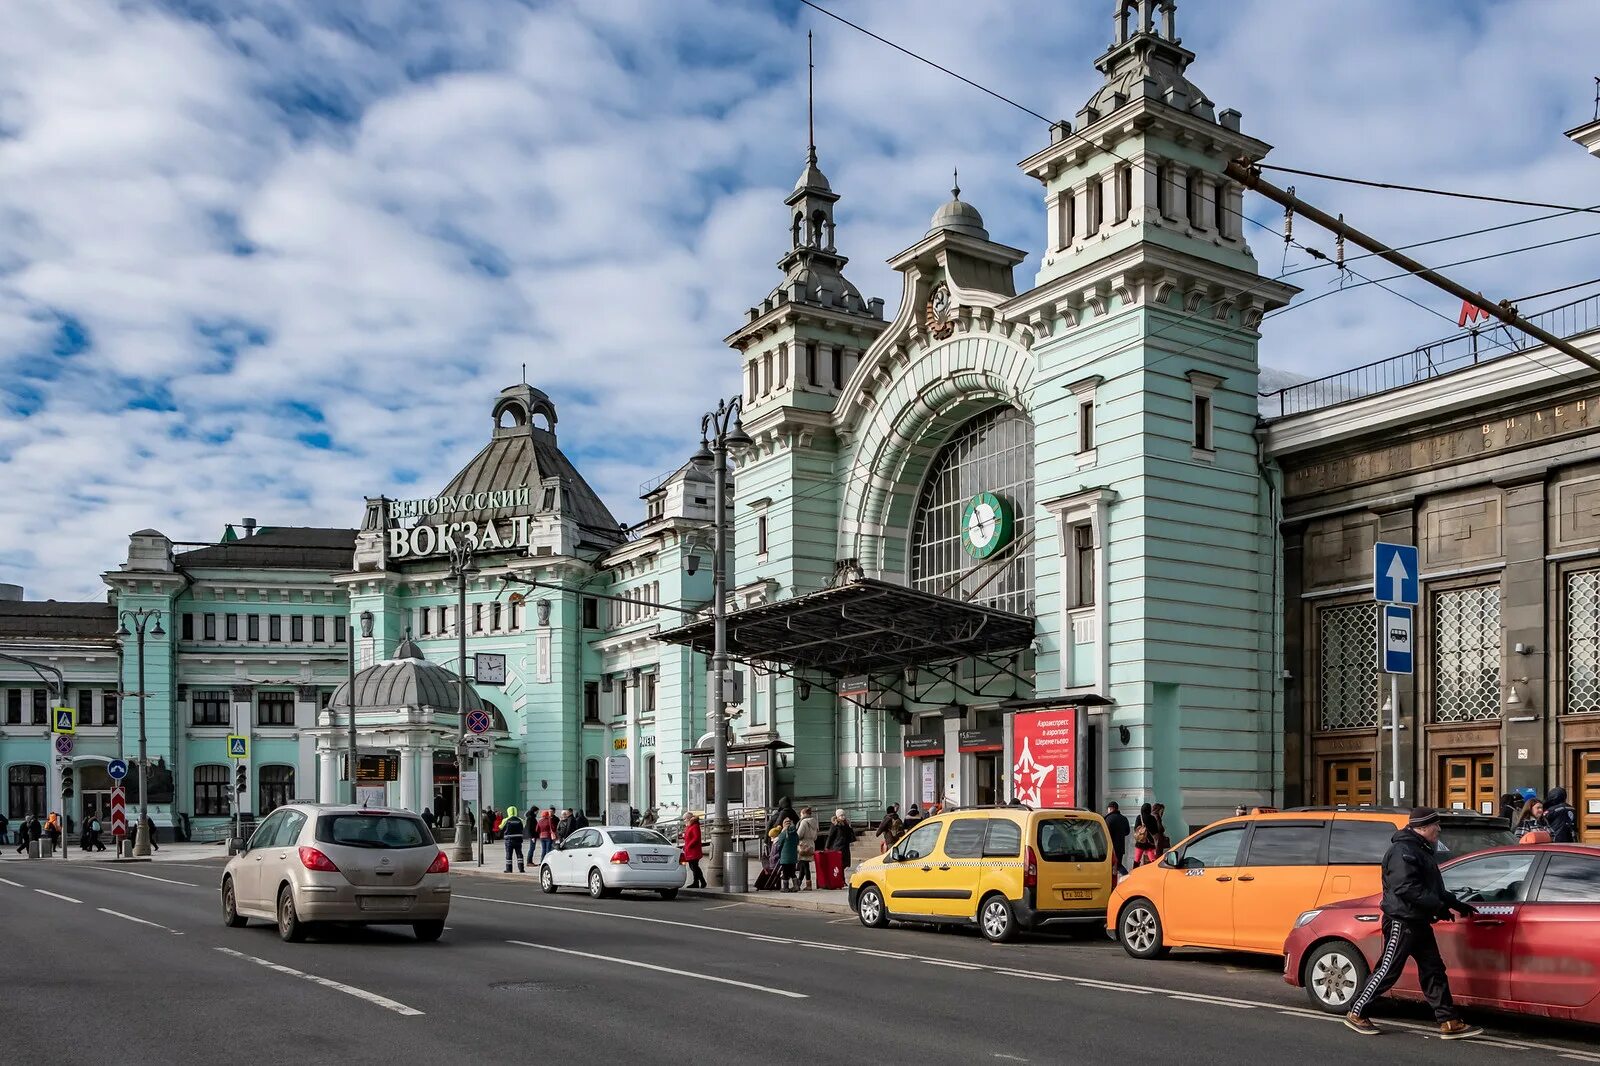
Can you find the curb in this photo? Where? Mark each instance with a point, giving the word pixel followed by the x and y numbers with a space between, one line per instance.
pixel 784 900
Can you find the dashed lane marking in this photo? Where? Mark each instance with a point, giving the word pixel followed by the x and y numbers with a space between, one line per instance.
pixel 350 990
pixel 57 895
pixel 150 877
pixel 664 969
pixel 131 918
pixel 725 906
pixel 13 884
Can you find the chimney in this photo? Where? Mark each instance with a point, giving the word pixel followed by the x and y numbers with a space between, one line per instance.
pixel 249 526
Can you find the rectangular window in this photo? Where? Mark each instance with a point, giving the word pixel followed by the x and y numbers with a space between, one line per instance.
pixel 494 617
pixel 211 791
pixel 1083 565
pixel 231 626
pixel 85 706
pixel 1162 179
pixel 1286 845
pixel 1086 426
pixel 109 708
pixel 1004 840
pixel 811 363
pixel 761 535
pixel 252 626
pixel 1097 205
pixel 188 627
pixel 319 628
pixel 477 618
pixel 1202 422
pixel 1358 843
pixel 838 368
pixel 41 714
pixel 591 613
pixel 1124 192
pixel 297 628
pixel 622 697
pixel 591 701
pixel 1347 674
pixel 1072 840
pixel 14 707
pixel 1066 223
pixel 515 613
pixel 766 373
pixel 1571 879
pixel 1583 642
pixel 275 708
pixel 210 631
pixel 964 838
pixel 211 707
pixel 649 694
pixel 1219 208
pixel 1466 654
pixel 339 628
pixel 275 628
pixel 549 502
pixel 424 621
pixel 1197 200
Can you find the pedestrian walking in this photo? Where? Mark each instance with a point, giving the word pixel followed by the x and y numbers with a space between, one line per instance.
pixel 694 850
pixel 546 828
pixel 512 829
pixel 806 852
pixel 487 822
pixel 27 831
pixel 566 826
pixel 889 829
pixel 1414 897
pixel 841 834
pixel 428 819
pixel 1117 827
pixel 579 819
pixel 786 850
pixel 1560 818
pixel 1532 820
pixel 5 825
pixel 1145 834
pixel 52 829
pixel 91 834
pixel 913 816
pixel 150 830
pixel 1163 841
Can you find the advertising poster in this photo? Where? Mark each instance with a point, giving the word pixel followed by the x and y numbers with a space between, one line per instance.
pixel 1045 747
pixel 930 780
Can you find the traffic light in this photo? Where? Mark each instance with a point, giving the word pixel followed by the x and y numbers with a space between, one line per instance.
pixel 240 779
pixel 66 784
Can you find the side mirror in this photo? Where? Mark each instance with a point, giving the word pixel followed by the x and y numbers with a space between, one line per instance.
pixel 1171 859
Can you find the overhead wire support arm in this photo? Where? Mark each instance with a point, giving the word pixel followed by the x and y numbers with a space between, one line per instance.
pixel 1249 176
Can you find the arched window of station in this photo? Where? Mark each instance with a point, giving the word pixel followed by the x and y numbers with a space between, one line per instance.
pixel 990 453
pixel 276 787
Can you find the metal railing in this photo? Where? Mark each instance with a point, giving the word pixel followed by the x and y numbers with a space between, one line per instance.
pixel 1445 356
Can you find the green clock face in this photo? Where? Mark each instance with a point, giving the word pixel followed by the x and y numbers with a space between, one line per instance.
pixel 986 525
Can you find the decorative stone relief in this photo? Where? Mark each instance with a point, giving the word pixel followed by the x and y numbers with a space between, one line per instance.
pixel 1461 530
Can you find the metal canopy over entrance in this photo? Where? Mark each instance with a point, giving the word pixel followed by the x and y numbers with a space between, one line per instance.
pixel 865 627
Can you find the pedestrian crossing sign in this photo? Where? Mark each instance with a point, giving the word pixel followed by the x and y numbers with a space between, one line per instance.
pixel 64 720
pixel 238 747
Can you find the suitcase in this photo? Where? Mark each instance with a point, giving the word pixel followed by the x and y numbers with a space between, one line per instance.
pixel 830 868
pixel 769 879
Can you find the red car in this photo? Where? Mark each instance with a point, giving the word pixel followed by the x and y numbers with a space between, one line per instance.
pixel 1533 947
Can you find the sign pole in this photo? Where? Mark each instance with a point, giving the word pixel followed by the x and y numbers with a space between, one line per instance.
pixel 477 825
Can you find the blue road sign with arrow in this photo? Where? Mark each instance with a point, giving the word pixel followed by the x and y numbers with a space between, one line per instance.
pixel 116 769
pixel 1395 573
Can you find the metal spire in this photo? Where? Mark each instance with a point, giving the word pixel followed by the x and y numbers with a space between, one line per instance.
pixel 955 183
pixel 811 104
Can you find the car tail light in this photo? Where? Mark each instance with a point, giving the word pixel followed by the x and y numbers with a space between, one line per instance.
pixel 441 864
pixel 1030 869
pixel 312 859
pixel 620 859
pixel 682 858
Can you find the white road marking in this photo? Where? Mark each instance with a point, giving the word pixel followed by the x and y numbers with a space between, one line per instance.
pixel 952 965
pixel 1211 1001
pixel 725 906
pixel 13 884
pixel 57 895
pixel 349 990
pixel 1029 976
pixel 665 969
pixel 148 877
pixel 131 918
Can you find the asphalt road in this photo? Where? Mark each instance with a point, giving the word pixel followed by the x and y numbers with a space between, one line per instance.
pixel 103 962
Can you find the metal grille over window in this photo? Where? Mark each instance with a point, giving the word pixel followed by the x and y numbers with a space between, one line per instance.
pixel 992 453
pixel 1583 642
pixel 1466 655
pixel 1349 667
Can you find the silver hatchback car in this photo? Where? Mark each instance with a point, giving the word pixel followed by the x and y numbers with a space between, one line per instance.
pixel 309 863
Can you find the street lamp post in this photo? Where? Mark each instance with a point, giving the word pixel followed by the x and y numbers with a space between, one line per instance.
pixel 140 618
pixel 462 569
pixel 720 433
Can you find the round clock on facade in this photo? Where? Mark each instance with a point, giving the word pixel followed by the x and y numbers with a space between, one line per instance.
pixel 941 313
pixel 986 525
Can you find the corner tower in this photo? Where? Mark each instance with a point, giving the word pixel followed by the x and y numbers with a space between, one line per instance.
pixel 1157 542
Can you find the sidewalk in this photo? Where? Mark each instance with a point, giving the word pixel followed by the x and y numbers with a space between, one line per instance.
pixel 172 852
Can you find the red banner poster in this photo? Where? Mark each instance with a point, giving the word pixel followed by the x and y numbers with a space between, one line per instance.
pixel 1044 747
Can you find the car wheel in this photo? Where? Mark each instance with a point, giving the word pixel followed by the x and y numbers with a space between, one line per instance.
pixel 870 908
pixel 1140 930
pixel 547 881
pixel 1334 975
pixel 669 893
pixel 997 920
pixel 230 911
pixel 428 932
pixel 290 928
pixel 597 885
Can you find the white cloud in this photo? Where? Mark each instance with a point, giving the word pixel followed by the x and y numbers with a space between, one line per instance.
pixel 278 219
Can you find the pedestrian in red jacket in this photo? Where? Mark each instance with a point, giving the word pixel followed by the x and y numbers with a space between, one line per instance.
pixel 694 850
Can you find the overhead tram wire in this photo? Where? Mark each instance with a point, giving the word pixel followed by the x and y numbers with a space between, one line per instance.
pixel 1396 187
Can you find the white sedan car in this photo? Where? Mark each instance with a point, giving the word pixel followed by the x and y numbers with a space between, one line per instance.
pixel 608 859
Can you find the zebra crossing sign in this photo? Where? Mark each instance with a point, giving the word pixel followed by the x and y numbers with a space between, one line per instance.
pixel 64 720
pixel 238 747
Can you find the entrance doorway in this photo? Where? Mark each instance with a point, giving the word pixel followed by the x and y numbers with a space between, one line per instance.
pixel 97 805
pixel 1468 782
pixel 1588 798
pixel 988 775
pixel 1348 782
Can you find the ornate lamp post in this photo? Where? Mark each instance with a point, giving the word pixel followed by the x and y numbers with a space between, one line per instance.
pixel 720 433
pixel 462 570
pixel 141 618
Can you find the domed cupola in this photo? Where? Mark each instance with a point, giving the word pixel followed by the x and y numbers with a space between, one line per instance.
pixel 958 216
pixel 409 681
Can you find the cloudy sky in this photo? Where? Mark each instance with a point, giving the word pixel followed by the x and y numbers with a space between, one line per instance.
pixel 264 258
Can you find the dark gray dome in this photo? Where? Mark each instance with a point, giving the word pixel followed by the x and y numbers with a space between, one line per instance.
pixel 958 216
pixel 409 680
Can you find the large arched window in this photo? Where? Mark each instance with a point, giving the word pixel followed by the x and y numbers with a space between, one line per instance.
pixel 276 787
pixel 992 453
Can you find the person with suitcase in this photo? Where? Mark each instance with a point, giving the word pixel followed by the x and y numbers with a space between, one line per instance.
pixel 841 834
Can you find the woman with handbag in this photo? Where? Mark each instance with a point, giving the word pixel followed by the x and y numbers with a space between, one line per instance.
pixel 1145 828
pixel 694 850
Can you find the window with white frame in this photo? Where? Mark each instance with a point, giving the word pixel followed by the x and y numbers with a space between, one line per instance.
pixel 1088 436
pixel 1124 191
pixel 1583 642
pixel 1347 667
pixel 1083 565
pixel 1466 654
pixel 1066 223
pixel 1202 410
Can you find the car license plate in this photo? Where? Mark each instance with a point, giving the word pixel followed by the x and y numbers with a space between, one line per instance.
pixel 655 858
pixel 1077 893
pixel 385 903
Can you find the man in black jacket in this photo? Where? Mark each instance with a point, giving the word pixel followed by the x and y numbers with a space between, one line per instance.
pixel 1414 897
pixel 1560 817
pixel 1117 827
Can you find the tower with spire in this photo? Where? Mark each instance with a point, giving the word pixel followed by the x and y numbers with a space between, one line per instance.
pixel 1145 314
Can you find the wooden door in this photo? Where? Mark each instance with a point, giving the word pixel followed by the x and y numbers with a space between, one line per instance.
pixel 1587 800
pixel 1348 782
pixel 1469 782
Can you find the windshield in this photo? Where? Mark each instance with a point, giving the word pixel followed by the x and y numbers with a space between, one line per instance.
pixel 637 836
pixel 1465 838
pixel 1071 840
pixel 373 831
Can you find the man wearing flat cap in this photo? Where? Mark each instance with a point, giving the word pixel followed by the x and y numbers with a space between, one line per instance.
pixel 1414 897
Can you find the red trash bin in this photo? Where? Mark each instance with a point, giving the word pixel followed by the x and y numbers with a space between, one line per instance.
pixel 830 868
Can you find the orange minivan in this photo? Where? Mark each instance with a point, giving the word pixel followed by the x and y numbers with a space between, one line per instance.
pixel 1240 884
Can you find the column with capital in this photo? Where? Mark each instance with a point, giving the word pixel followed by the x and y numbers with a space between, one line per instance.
pixel 425 776
pixel 408 777
pixel 328 764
